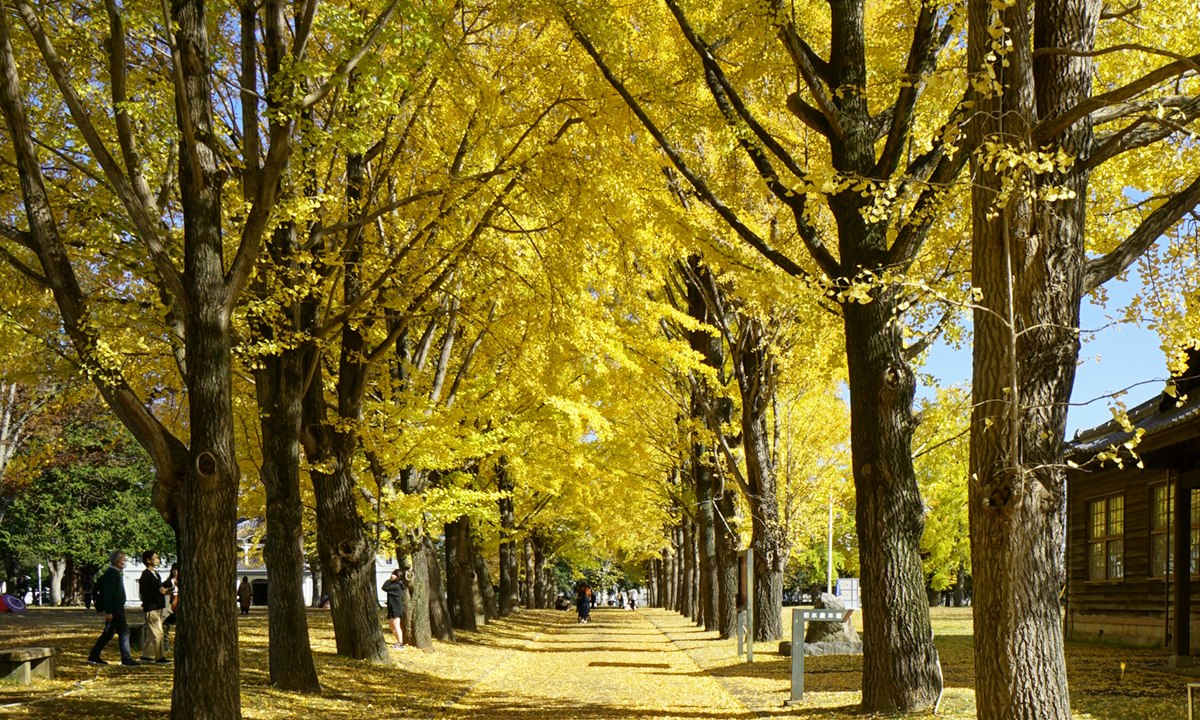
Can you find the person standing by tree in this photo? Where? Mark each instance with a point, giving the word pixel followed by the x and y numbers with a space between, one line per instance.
pixel 245 594
pixel 154 604
pixel 110 595
pixel 394 587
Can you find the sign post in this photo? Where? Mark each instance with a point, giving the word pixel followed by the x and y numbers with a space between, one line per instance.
pixel 745 616
pixel 799 617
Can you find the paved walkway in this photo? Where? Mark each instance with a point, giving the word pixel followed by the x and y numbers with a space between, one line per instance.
pixel 618 666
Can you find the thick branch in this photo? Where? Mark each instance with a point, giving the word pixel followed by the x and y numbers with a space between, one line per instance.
pixel 1052 127
pixel 927 45
pixel 1102 269
pixel 147 229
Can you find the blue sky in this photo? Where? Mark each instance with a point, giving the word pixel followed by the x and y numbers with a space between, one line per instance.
pixel 1111 359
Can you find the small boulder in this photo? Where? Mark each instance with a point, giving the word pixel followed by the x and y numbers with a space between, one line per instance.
pixel 830 632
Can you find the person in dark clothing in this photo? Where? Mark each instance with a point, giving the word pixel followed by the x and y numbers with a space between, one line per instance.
pixel 110 591
pixel 394 587
pixel 245 594
pixel 583 603
pixel 154 604
pixel 87 586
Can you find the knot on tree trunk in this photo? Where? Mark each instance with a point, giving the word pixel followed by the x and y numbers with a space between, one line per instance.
pixel 1001 492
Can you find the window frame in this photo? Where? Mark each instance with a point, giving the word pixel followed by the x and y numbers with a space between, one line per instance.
pixel 1169 532
pixel 1105 540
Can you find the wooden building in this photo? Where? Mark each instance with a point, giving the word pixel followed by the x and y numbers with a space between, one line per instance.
pixel 1129 527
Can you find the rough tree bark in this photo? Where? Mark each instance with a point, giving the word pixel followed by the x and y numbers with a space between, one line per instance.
pixel 347 556
pixel 440 624
pixel 510 593
pixel 539 572
pixel 460 576
pixel 279 382
pixel 530 573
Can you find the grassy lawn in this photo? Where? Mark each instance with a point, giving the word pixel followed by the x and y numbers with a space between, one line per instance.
pixel 832 684
pixel 426 684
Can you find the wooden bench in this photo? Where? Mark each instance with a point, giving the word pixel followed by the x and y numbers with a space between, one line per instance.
pixel 21 664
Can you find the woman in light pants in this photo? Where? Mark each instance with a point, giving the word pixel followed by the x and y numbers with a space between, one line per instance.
pixel 154 603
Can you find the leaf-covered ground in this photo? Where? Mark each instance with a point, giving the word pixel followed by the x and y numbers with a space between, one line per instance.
pixel 542 664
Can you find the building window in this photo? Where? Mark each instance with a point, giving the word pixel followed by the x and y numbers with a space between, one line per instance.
pixel 1162 515
pixel 1106 538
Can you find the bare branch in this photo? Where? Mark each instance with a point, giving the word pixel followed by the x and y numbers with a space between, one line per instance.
pixel 749 236
pixel 24 269
pixel 927 339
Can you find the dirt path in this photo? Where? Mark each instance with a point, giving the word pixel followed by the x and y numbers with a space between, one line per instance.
pixel 618 666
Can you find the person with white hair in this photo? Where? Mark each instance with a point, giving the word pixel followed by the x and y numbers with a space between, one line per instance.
pixel 109 593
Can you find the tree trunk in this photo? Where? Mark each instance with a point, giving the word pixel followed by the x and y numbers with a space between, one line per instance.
pixel 440 623
pixel 460 576
pixel 483 581
pixel 688 605
pixel 318 589
pixel 279 381
pixel 675 586
pixel 695 573
pixel 530 574
pixel 900 669
pixel 58 569
pixel 728 544
pixel 347 556
pixel 959 583
pixel 72 584
pixel 707 544
pixel 539 572
pixel 416 624
pixel 1028 261
pixel 510 594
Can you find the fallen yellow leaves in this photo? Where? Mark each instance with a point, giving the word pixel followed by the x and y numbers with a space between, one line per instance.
pixel 542 664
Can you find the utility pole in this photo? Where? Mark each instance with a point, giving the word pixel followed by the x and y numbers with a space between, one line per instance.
pixel 829 548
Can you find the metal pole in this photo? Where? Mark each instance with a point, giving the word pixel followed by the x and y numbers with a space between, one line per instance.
pixel 38 594
pixel 750 605
pixel 829 547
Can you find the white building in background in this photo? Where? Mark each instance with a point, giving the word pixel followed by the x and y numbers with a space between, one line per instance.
pixel 250 564
pixel 847 590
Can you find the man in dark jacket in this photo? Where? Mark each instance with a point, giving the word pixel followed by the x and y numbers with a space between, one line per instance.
pixel 154 604
pixel 110 590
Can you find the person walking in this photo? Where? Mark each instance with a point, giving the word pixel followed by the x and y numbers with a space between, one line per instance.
pixel 109 594
pixel 583 603
pixel 154 604
pixel 245 594
pixel 394 587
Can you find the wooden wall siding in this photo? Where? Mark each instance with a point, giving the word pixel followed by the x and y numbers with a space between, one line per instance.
pixel 1136 595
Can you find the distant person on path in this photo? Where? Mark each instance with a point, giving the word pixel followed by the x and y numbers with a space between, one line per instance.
pixel 245 594
pixel 394 587
pixel 154 604
pixel 109 594
pixel 87 586
pixel 583 603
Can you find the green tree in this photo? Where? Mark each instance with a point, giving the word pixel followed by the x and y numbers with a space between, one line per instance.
pixel 92 496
